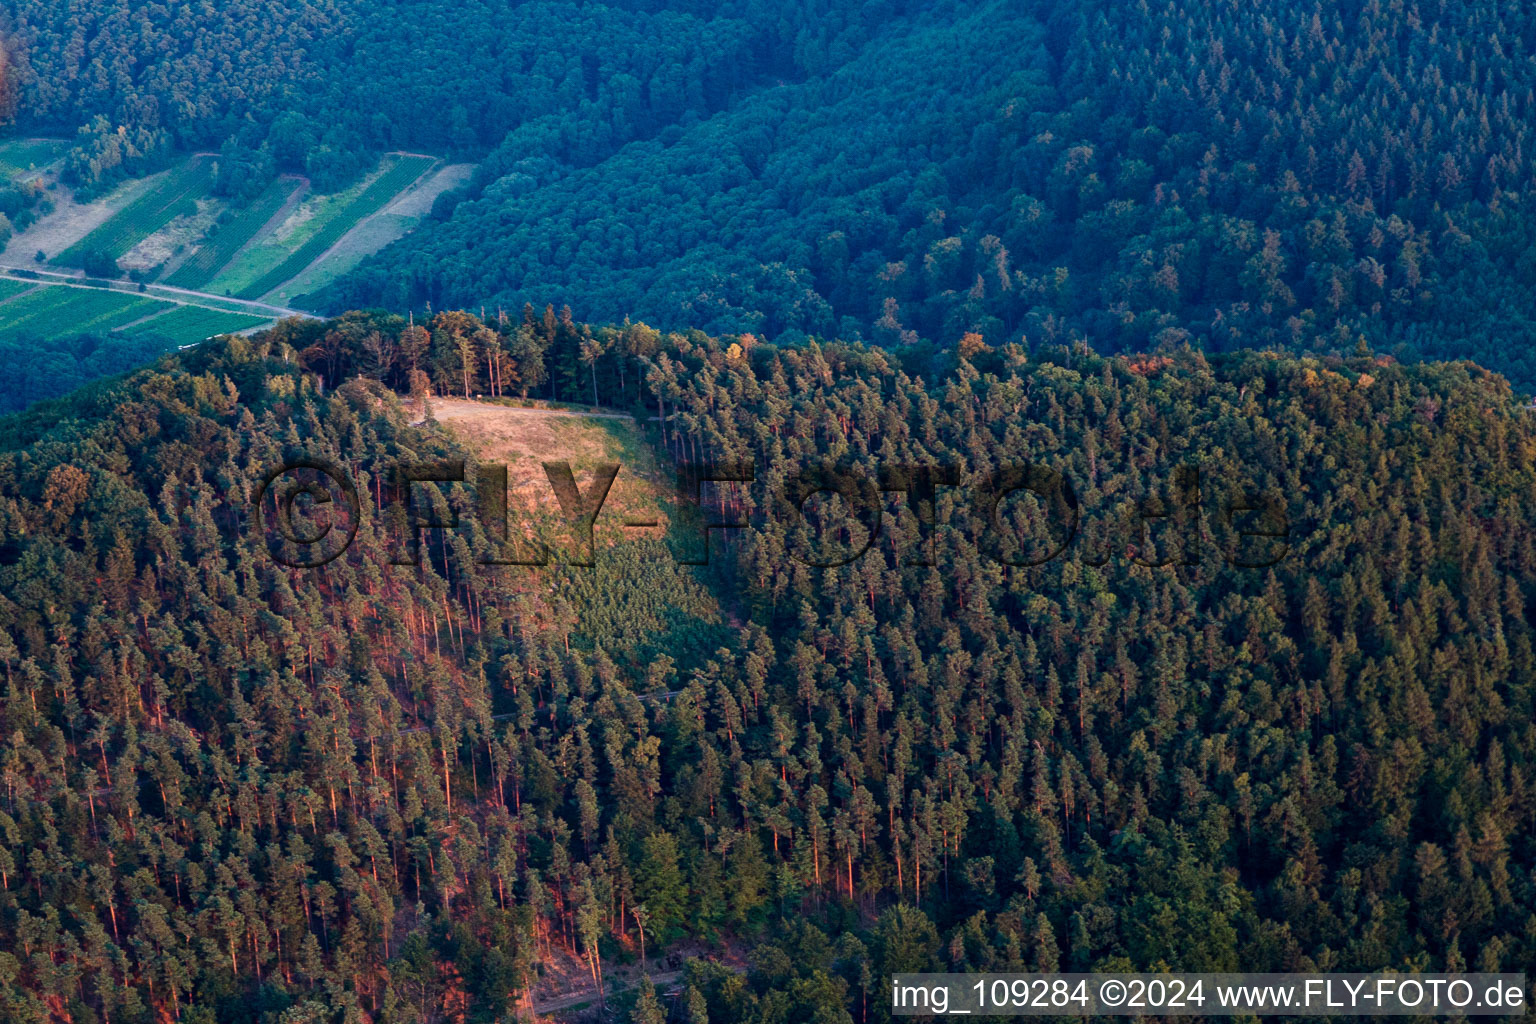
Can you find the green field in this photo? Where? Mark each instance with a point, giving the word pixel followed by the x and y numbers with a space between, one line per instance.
pixel 59 311
pixel 10 288
pixel 187 325
pixel 173 195
pixel 230 238
pixel 19 156
pixel 328 226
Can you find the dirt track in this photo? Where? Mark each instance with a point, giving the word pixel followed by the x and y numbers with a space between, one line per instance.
pixel 180 296
pixel 620 980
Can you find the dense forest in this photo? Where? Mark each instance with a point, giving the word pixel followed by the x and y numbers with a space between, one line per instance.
pixel 1237 174
pixel 317 86
pixel 236 792
pixel 1233 174
pixel 1171 360
pixel 36 371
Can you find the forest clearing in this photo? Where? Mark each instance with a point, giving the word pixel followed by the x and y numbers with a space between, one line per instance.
pixel 23 158
pixel 524 438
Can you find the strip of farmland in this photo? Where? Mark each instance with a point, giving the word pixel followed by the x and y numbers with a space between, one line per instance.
pixel 60 311
pixel 230 238
pixel 371 200
pixel 187 325
pixel 176 194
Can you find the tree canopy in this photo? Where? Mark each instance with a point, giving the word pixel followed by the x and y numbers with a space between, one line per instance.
pixel 371 791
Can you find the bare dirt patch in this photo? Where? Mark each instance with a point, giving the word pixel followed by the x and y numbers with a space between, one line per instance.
pixel 417 202
pixel 69 222
pixel 176 239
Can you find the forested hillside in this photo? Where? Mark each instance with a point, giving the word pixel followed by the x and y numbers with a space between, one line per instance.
pixel 1237 174
pixel 1234 174
pixel 1174 360
pixel 372 792
pixel 36 370
pixel 317 85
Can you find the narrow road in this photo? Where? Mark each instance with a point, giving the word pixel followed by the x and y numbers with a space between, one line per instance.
pixel 281 311
pixel 77 279
pixel 567 1000
pixel 570 999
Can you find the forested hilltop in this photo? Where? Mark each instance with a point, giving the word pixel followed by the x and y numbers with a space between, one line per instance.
pixel 235 792
pixel 1239 675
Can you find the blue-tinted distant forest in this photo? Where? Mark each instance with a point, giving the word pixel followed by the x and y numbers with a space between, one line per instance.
pixel 1235 174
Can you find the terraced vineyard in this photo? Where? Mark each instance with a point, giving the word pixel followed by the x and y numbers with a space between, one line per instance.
pixel 393 181
pixel 175 194
pixel 59 311
pixel 187 325
pixel 230 238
